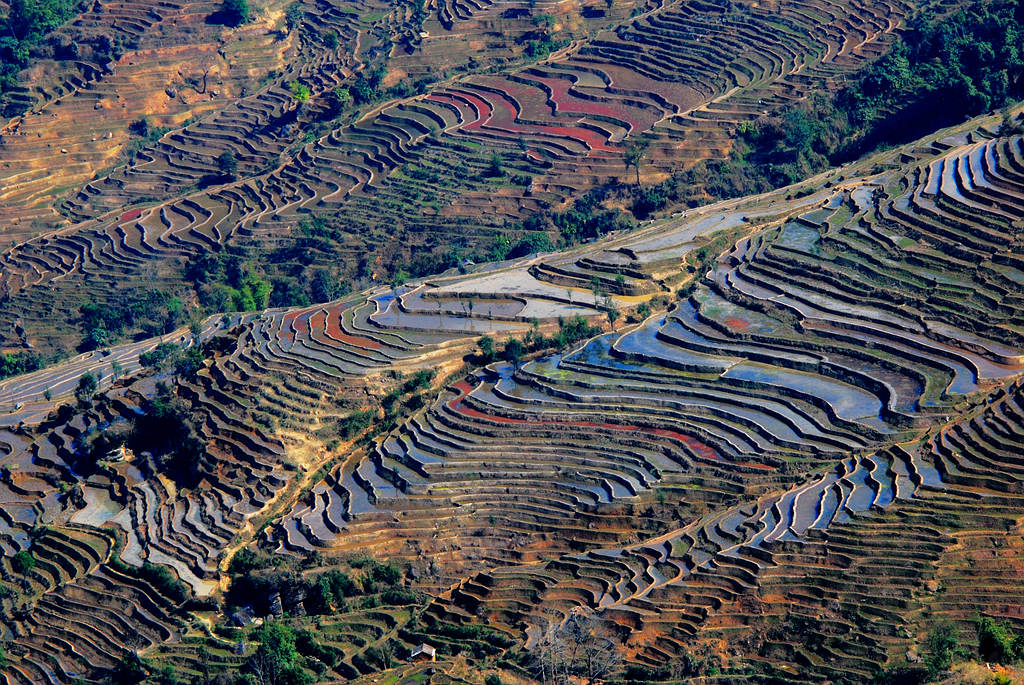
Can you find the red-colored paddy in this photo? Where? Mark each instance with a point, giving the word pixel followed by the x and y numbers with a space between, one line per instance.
pixel 699 448
pixel 565 102
pixel 333 327
pixel 287 332
pixel 503 121
pixel 736 324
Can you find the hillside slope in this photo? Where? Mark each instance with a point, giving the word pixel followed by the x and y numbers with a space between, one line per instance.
pixel 780 433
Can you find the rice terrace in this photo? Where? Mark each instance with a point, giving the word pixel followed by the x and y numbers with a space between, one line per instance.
pixel 483 342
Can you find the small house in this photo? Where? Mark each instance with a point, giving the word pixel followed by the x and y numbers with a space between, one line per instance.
pixel 245 616
pixel 423 653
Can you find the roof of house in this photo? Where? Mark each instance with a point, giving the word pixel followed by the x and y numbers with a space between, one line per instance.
pixel 423 649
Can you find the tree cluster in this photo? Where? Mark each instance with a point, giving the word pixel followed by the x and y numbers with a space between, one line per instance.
pixel 585 220
pixel 257 577
pixel 145 314
pixel 939 72
pixel 14 363
pixel 570 331
pixel 227 283
pixel 27 23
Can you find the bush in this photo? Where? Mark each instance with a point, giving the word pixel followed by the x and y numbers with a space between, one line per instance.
pixel 161 578
pixel 421 379
pixel 157 356
pixel 388 574
pixel 22 563
pixel 942 645
pixel 166 428
pixel 997 643
pixel 355 422
pixel 293 15
pixel 399 597
pixel 278 658
pixel 306 644
pixel 299 91
pixel 247 560
pixel 151 312
pixel 486 346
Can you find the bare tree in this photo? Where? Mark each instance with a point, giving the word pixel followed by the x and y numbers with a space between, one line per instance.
pixel 579 646
pixel 264 668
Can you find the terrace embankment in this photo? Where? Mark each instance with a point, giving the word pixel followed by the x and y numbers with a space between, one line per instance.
pixel 420 173
pixel 787 419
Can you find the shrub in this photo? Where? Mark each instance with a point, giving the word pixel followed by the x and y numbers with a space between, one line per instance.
pixel 486 346
pixel 23 562
pixel 299 91
pixel 421 379
pixel 941 646
pixel 161 578
pixel 293 15
pixel 997 643
pixel 355 422
pixel 156 357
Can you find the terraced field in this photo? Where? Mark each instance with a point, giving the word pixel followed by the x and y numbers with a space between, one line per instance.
pixel 811 415
pixel 412 174
pixel 773 439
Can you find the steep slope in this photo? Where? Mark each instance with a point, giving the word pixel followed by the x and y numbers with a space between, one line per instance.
pixel 829 396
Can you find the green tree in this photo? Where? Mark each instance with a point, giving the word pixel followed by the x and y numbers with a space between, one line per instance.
pixel 635 153
pixel 140 127
pixel 86 388
pixel 338 100
pixel 158 356
pixel 486 346
pixel 228 165
pixel 22 563
pixel 276 661
pixel 613 314
pixel 325 286
pixel 940 648
pixel 189 362
pixel 293 16
pixel 514 351
pixel 19 362
pixel 167 675
pixel 496 168
pixel 235 12
pixel 129 670
pixel 996 642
